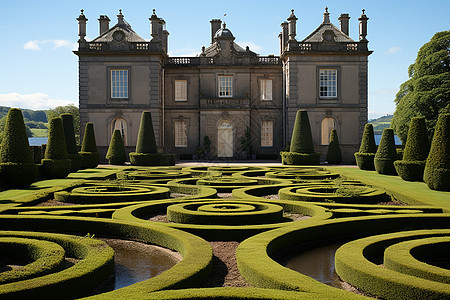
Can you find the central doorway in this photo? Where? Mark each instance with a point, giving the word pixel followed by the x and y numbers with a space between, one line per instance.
pixel 225 139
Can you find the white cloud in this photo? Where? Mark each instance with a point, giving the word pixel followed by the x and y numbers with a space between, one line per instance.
pixel 253 47
pixel 36 44
pixel 36 101
pixel 32 45
pixel 393 50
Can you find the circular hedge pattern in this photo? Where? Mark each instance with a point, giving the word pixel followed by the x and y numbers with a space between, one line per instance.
pixel 225 213
pixel 111 193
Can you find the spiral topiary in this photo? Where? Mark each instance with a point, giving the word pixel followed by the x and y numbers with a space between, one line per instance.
pixel 116 154
pixel 334 155
pixel 89 153
pixel 146 151
pixel 17 169
pixel 55 163
pixel 412 165
pixel 386 154
pixel 301 151
pixel 437 167
pixel 71 143
pixel 365 156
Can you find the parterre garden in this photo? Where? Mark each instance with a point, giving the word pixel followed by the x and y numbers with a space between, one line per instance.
pixel 395 233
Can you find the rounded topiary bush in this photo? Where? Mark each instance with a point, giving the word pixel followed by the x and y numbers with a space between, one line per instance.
pixel 412 165
pixel 55 163
pixel 16 162
pixel 116 154
pixel 334 155
pixel 146 151
pixel 89 153
pixel 386 154
pixel 366 154
pixel 437 167
pixel 71 142
pixel 301 151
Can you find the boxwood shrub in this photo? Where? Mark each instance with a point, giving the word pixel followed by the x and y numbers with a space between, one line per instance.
pixel 366 154
pixel 55 163
pixel 334 155
pixel 71 142
pixel 17 169
pixel 116 154
pixel 386 154
pixel 89 152
pixel 437 167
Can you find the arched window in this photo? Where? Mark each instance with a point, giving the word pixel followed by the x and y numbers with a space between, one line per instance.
pixel 327 125
pixel 120 124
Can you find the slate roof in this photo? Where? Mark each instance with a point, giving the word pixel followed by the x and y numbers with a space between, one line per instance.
pixel 130 35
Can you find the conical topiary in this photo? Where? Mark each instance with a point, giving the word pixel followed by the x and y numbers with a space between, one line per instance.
pixel 71 143
pixel 334 155
pixel 146 151
pixel 89 154
pixel 386 154
pixel 437 167
pixel 116 154
pixel 17 169
pixel 412 165
pixel 55 163
pixel 302 146
pixel 364 158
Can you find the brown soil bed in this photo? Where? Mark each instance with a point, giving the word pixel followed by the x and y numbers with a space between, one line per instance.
pixel 53 202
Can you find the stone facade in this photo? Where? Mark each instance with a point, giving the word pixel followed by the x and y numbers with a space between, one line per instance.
pixel 228 93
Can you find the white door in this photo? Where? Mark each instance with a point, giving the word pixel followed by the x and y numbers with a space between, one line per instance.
pixel 225 140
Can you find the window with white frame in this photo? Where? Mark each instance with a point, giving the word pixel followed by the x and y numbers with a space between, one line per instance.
pixel 225 86
pixel 267 134
pixel 180 133
pixel 180 90
pixel 328 83
pixel 119 83
pixel 266 89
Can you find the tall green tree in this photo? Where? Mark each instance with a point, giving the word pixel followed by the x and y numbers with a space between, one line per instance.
pixel 427 91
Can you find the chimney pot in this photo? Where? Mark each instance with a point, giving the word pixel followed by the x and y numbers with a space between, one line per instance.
pixel 343 21
pixel 104 23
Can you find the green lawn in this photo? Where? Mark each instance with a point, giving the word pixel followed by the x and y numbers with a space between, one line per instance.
pixel 39 132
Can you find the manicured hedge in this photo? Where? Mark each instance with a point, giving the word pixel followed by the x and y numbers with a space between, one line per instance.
pixel 116 154
pixel 191 271
pixel 146 142
pixel 356 263
pixel 334 155
pixel 152 159
pixel 89 152
pixel 71 142
pixel 412 165
pixel 95 265
pixel 293 158
pixel 44 257
pixel 437 167
pixel 17 169
pixel 55 163
pixel 366 154
pixel 386 154
pixel 254 255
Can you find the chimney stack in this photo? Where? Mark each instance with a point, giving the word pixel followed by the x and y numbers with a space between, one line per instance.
pixel 215 25
pixel 343 22
pixel 284 35
pixel 104 23
pixel 292 26
pixel 82 26
pixel 155 25
pixel 363 26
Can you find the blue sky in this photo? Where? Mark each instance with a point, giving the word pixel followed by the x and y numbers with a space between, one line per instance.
pixel 39 70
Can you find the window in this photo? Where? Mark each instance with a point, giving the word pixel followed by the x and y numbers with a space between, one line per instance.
pixel 180 134
pixel 119 83
pixel 266 89
pixel 267 134
pixel 328 83
pixel 180 90
pixel 225 86
pixel 328 124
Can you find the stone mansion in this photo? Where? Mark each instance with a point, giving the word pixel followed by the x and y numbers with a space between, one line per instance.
pixel 228 92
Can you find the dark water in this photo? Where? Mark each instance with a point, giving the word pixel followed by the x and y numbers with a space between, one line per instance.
pixel 135 264
pixel 317 263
